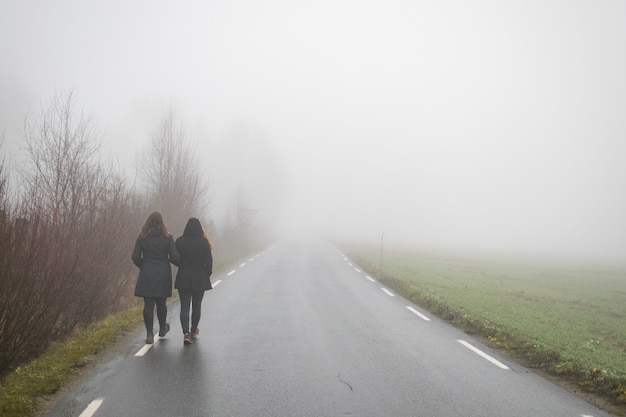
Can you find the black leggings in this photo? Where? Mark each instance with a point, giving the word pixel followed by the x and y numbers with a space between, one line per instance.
pixel 195 299
pixel 148 312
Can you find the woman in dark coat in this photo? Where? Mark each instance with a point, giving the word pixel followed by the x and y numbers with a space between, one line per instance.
pixel 154 250
pixel 194 275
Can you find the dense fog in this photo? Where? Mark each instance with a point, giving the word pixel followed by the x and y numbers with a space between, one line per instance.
pixel 479 125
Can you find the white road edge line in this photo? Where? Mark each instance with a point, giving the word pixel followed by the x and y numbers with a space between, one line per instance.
pixel 389 293
pixel 92 408
pixel 483 354
pixel 216 283
pixel 144 349
pixel 370 278
pixel 357 269
pixel 230 273
pixel 420 315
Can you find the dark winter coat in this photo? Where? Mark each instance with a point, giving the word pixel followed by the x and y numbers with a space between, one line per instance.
pixel 153 255
pixel 196 263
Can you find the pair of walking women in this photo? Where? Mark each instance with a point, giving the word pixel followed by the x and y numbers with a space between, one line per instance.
pixel 154 250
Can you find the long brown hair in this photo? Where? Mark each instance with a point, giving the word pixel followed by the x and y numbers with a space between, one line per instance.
pixel 206 236
pixel 155 221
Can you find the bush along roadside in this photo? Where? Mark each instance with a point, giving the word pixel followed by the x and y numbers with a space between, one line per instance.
pixel 530 353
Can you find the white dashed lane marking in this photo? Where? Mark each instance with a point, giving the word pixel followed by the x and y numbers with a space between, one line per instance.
pixel 92 408
pixel 483 354
pixel 143 350
pixel 389 293
pixel 417 313
pixel 147 347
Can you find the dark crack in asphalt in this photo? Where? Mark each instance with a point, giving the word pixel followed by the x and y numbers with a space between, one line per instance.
pixel 345 382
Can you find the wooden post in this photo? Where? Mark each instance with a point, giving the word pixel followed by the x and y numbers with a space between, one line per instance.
pixel 382 235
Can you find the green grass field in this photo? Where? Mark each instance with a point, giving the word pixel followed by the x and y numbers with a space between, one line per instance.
pixel 569 320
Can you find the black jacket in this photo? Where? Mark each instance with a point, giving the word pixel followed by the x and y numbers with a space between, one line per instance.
pixel 153 256
pixel 196 263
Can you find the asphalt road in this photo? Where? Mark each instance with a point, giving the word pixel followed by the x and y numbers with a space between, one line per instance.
pixel 299 330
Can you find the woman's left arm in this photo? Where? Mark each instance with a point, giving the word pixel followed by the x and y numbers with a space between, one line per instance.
pixel 173 252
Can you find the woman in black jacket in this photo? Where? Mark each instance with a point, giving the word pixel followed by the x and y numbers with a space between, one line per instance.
pixel 194 275
pixel 154 250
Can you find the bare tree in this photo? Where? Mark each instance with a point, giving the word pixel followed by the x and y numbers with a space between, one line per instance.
pixel 171 172
pixel 62 149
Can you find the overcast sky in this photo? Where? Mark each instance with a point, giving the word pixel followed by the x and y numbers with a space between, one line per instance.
pixel 475 124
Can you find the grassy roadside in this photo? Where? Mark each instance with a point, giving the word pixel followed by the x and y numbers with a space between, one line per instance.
pixel 562 321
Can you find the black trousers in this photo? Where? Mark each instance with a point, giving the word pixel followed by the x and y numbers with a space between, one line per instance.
pixel 148 311
pixel 194 298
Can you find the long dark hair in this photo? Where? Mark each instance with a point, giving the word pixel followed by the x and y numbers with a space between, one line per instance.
pixel 155 221
pixel 194 228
